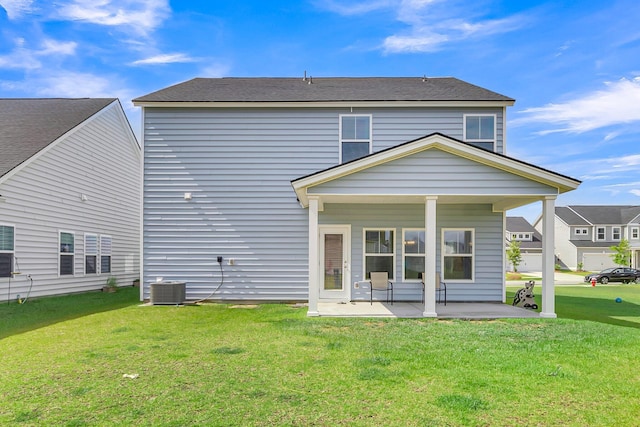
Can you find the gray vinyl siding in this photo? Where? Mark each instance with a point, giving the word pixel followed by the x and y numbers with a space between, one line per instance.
pixel 433 172
pixel 488 258
pixel 238 166
pixel 100 159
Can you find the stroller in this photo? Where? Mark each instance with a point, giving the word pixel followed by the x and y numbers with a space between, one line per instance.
pixel 524 296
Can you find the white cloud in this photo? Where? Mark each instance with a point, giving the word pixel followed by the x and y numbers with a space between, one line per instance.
pixel 616 104
pixel 16 8
pixel 143 16
pixel 353 8
pixel 167 58
pixel 22 58
pixel 433 23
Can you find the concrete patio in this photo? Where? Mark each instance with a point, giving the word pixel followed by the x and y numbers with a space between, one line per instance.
pixel 453 310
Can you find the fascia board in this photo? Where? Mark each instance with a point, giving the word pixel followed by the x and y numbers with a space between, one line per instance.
pixel 322 104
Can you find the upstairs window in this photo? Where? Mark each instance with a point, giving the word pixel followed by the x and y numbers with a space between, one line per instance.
pixel 67 253
pixel 580 231
pixel 355 137
pixel 600 233
pixel 480 130
pixel 616 231
pixel 635 233
pixel 6 250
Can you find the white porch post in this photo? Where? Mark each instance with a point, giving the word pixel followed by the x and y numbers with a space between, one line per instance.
pixel 548 258
pixel 430 257
pixel 314 289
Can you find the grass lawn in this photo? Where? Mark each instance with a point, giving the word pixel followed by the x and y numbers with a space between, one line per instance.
pixel 267 365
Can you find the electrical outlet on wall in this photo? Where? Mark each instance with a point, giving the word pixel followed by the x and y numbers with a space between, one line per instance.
pixel 356 285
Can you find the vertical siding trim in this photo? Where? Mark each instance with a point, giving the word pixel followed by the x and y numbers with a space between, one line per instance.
pixel 141 202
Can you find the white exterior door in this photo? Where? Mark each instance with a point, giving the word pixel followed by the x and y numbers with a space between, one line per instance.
pixel 335 263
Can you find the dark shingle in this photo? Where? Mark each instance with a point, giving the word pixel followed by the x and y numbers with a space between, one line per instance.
pixel 29 125
pixel 607 214
pixel 569 216
pixel 323 90
pixel 518 224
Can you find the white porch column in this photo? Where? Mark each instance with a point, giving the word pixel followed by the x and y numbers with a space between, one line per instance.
pixel 314 261
pixel 548 258
pixel 430 257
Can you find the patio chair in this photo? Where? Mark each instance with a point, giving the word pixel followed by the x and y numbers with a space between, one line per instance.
pixel 380 282
pixel 441 287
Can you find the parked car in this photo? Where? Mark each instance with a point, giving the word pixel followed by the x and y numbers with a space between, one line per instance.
pixel 617 274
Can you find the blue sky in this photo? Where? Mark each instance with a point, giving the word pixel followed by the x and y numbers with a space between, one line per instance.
pixel 573 67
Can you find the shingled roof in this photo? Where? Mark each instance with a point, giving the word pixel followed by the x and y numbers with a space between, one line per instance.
pixel 29 125
pixel 598 214
pixel 518 224
pixel 354 89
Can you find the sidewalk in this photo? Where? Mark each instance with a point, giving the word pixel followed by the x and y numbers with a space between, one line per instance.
pixel 559 279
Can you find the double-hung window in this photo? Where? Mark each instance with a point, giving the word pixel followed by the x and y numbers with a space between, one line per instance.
pixel 105 254
pixel 616 232
pixel 90 254
pixel 67 253
pixel 457 254
pixel 600 233
pixel 355 136
pixel 379 251
pixel 480 130
pixel 7 245
pixel 635 233
pixel 413 253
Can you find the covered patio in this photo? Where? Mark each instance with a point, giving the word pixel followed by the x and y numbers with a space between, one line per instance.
pixel 437 175
pixel 400 310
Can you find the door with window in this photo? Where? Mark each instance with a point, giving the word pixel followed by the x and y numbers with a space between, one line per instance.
pixel 335 264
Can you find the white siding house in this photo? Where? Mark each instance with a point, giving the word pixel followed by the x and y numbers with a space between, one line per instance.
pixel 305 187
pixel 69 196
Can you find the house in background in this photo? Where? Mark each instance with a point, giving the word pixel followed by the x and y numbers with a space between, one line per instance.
pixel 302 187
pixel 519 229
pixel 69 196
pixel 584 234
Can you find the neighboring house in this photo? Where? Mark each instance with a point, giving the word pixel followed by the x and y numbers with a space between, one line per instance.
pixel 305 186
pixel 519 229
pixel 585 234
pixel 69 196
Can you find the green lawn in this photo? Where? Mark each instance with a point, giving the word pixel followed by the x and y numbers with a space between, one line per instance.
pixel 270 365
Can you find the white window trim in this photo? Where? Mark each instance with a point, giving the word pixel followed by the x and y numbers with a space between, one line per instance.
pixel 598 239
pixel 613 233
pixel 340 140
pixel 635 233
pixel 472 255
pixel 581 231
pixel 495 128
pixel 73 233
pixel 13 252
pixel 110 254
pixel 87 253
pixel 365 254
pixel 404 254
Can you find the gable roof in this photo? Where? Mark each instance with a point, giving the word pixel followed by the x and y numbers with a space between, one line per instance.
pixel 355 89
pixel 438 141
pixel 518 224
pixel 29 125
pixel 598 214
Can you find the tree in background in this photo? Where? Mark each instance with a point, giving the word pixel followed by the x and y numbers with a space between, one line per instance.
pixel 513 254
pixel 622 253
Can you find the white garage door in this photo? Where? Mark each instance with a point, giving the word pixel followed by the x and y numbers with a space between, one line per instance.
pixel 597 262
pixel 531 262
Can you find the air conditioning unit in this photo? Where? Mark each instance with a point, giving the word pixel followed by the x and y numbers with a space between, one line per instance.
pixel 168 293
